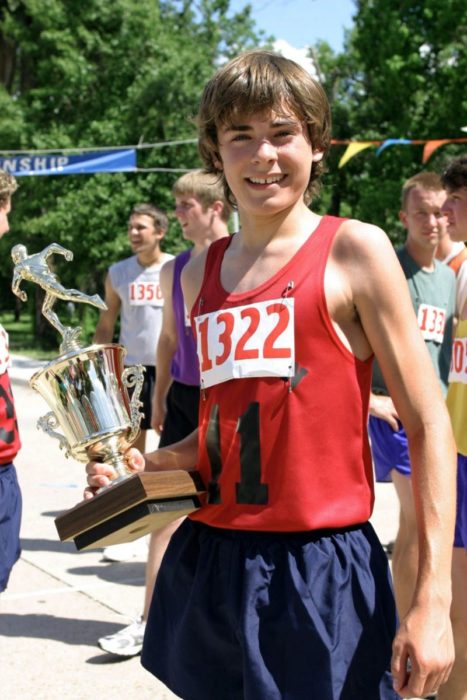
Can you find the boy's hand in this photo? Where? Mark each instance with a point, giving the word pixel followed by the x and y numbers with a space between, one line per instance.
pixel 423 652
pixel 382 407
pixel 100 474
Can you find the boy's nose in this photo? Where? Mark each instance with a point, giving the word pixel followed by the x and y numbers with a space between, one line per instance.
pixel 265 151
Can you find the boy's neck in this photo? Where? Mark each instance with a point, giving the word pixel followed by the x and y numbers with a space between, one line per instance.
pixel 258 231
pixel 424 257
pixel 213 234
pixel 153 258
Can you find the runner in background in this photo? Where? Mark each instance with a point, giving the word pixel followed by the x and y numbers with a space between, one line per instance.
pixel 432 290
pixel 133 293
pixel 203 213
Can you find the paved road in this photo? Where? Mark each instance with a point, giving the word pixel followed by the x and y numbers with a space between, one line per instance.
pixel 60 601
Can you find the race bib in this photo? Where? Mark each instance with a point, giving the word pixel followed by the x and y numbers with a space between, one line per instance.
pixel 256 340
pixel 145 294
pixel 4 352
pixel 431 321
pixel 458 370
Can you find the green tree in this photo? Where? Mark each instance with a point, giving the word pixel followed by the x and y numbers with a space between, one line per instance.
pixel 101 73
pixel 401 75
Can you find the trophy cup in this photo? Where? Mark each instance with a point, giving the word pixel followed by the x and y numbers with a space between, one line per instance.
pixel 86 389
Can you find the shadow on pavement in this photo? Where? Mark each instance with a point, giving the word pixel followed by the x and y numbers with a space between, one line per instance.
pixel 61 629
pixel 42 545
pixel 128 573
pixel 104 659
pixel 52 513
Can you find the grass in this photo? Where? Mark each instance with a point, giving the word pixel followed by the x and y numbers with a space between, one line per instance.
pixel 23 340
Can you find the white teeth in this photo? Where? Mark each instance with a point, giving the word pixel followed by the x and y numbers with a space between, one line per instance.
pixel 266 181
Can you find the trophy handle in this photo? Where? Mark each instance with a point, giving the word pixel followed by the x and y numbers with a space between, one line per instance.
pixel 47 423
pixel 133 377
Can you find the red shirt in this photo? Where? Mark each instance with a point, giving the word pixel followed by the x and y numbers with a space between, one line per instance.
pixel 9 436
pixel 283 442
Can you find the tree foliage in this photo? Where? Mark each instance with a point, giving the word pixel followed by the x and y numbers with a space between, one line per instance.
pixel 101 73
pixel 104 73
pixel 401 75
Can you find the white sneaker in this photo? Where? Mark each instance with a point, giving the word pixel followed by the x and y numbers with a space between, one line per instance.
pixel 126 642
pixel 127 551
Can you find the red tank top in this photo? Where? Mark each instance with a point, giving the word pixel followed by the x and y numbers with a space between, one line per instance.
pixel 9 436
pixel 283 440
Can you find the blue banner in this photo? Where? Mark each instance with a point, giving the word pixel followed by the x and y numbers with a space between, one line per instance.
pixel 116 161
pixel 392 142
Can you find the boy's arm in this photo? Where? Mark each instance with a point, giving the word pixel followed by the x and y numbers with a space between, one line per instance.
pixel 107 319
pixel 166 347
pixel 382 301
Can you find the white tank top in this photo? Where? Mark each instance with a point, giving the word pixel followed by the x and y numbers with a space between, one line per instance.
pixel 141 311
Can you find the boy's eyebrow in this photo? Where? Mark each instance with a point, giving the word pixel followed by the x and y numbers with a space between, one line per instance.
pixel 235 127
pixel 280 121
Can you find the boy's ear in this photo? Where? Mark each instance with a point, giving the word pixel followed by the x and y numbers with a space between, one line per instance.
pixel 216 159
pixel 217 207
pixel 317 156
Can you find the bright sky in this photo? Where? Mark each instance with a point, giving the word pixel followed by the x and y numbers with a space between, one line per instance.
pixel 302 22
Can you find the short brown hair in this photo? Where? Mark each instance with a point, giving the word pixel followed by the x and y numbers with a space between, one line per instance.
pixel 455 175
pixel 254 82
pixel 206 187
pixel 159 217
pixel 424 181
pixel 8 185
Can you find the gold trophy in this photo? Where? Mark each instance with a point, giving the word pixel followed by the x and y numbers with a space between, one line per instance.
pixel 87 391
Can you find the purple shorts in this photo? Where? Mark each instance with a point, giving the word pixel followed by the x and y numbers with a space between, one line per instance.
pixel 460 537
pixel 389 448
pixel 10 521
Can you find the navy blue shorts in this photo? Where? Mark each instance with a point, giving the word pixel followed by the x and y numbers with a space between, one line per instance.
pixel 10 521
pixel 390 449
pixel 182 413
pixel 460 537
pixel 271 616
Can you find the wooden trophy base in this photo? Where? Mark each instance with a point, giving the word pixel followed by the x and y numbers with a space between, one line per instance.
pixel 131 508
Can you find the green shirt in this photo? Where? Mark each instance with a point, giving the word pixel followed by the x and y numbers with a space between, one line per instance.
pixel 433 296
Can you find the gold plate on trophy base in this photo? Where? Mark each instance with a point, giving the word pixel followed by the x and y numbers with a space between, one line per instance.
pixel 131 508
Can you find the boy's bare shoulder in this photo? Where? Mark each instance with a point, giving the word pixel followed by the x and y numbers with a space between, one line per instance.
pixel 167 267
pixel 166 276
pixel 358 242
pixel 192 277
pixel 361 235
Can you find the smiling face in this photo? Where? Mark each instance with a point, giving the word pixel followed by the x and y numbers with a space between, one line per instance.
pixel 266 160
pixel 143 235
pixel 257 86
pixel 455 208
